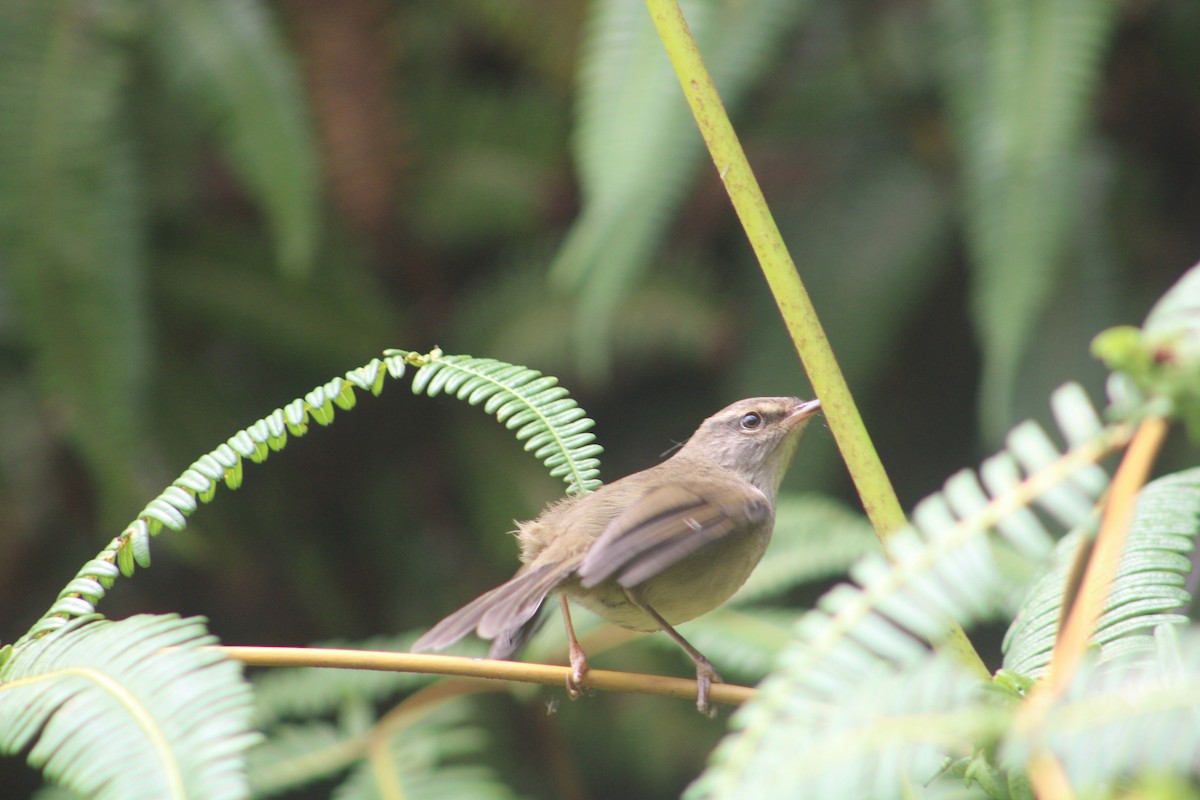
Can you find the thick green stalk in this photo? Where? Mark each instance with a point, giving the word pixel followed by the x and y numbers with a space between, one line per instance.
pixel 871 480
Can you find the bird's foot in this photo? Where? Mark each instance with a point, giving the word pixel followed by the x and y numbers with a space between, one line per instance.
pixel 579 670
pixel 705 676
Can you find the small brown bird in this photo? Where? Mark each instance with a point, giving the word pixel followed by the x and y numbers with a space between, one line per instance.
pixel 653 549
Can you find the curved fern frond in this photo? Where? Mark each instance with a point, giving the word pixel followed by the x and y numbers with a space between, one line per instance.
pixel 550 423
pixel 1146 592
pixel 132 709
pixel 943 568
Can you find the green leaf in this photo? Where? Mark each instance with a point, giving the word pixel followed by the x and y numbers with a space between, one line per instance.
pixel 542 414
pixel 70 227
pixel 1117 719
pixel 549 421
pixel 1146 591
pixel 1019 76
pixel 892 731
pixel 127 710
pixel 426 755
pixel 636 145
pixel 1158 366
pixel 228 61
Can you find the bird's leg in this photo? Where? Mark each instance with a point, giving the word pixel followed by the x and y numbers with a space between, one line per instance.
pixel 705 674
pixel 579 663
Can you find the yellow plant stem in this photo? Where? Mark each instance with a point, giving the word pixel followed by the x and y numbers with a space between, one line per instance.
pixel 1048 780
pixel 1045 772
pixel 870 479
pixel 480 668
pixel 1110 544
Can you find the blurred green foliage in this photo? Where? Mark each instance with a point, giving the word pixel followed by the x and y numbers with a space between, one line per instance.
pixel 209 206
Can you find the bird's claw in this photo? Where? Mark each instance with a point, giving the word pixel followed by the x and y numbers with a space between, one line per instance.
pixel 579 670
pixel 705 676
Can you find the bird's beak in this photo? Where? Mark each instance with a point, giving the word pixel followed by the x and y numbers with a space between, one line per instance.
pixel 802 411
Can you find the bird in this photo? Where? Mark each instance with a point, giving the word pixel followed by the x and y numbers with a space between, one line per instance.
pixel 652 550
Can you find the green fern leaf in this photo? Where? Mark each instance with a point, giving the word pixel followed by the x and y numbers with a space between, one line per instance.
pixel 636 145
pixel 1146 591
pixel 70 228
pixel 550 423
pixel 1120 718
pixel 1019 75
pixel 296 755
pixel 228 60
pixel 131 709
pixel 425 756
pixel 889 734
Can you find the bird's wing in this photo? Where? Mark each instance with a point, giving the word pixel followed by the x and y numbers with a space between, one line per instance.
pixel 667 524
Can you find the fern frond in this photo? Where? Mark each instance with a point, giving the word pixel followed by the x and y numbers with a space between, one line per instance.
pixel 132 709
pixel 473 782
pixel 71 230
pixel 414 757
pixel 943 568
pixel 550 423
pixel 298 754
pixel 228 61
pixel 1019 76
pixel 894 730
pixel 1134 715
pixel 198 484
pixel 636 144
pixel 1146 592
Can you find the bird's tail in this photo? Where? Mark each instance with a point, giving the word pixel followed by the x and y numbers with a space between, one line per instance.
pixel 508 614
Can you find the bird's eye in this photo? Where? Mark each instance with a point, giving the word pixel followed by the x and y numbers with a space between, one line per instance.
pixel 751 421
